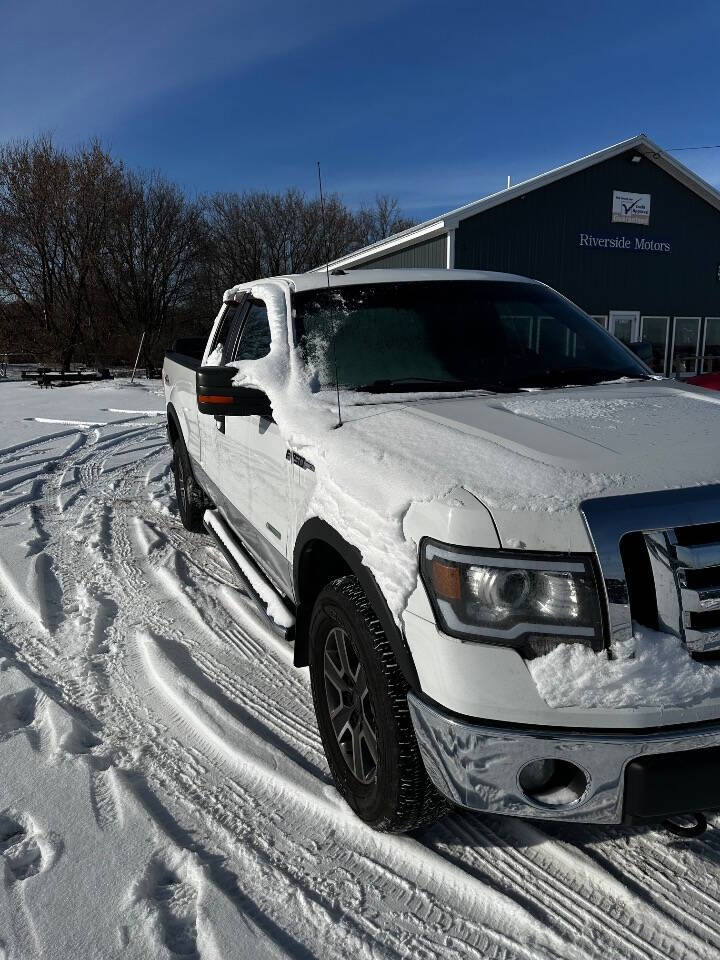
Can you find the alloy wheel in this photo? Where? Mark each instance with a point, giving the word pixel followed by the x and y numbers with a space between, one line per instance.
pixel 182 485
pixel 348 701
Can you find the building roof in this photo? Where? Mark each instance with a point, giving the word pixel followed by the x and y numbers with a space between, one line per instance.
pixel 449 221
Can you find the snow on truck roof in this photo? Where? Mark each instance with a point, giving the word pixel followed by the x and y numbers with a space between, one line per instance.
pixel 318 281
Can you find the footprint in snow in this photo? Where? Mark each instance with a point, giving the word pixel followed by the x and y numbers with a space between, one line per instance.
pixel 17 712
pixel 175 901
pixel 19 849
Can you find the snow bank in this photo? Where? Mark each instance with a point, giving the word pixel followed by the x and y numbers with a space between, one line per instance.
pixel 650 670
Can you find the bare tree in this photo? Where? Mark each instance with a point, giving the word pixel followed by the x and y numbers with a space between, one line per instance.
pixel 148 267
pixel 264 234
pixel 34 183
pixel 54 217
pixel 93 256
pixel 85 225
pixel 381 220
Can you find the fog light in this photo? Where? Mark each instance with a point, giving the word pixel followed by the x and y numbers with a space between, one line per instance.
pixel 552 783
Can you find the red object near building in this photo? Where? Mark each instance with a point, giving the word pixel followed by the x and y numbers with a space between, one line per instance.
pixel 711 381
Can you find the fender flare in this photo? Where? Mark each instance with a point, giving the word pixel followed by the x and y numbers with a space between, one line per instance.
pixel 173 423
pixel 317 530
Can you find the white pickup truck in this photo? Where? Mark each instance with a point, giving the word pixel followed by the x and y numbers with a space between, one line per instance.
pixel 491 533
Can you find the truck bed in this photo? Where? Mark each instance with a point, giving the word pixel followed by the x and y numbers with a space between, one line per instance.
pixel 187 351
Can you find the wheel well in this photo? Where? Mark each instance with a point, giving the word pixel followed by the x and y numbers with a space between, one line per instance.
pixel 318 565
pixel 173 428
pixel 321 555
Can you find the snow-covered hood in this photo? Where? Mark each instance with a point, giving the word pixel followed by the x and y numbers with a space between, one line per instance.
pixel 544 452
pixel 652 434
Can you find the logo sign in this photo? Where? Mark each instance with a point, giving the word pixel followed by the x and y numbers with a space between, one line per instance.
pixel 641 244
pixel 630 207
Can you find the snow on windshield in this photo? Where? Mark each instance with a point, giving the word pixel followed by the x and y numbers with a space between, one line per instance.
pixel 215 358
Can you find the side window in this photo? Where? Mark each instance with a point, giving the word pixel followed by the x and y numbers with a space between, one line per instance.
pixel 221 337
pixel 255 337
pixel 232 335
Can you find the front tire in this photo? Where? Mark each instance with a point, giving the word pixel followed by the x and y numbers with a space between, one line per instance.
pixel 360 698
pixel 190 498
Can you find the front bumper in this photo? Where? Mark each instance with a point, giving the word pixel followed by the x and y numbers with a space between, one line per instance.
pixel 478 767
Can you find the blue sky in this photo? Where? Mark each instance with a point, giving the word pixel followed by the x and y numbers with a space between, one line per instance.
pixel 434 103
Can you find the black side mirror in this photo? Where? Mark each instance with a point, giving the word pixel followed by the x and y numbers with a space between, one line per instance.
pixel 217 395
pixel 642 349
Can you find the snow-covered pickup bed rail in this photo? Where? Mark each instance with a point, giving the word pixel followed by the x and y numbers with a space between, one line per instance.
pixel 489 531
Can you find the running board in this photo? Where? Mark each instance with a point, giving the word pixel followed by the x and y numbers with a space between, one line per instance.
pixel 273 606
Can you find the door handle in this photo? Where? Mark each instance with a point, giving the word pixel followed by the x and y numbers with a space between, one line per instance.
pixel 220 422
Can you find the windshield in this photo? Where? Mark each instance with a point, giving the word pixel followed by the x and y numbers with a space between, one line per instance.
pixel 453 335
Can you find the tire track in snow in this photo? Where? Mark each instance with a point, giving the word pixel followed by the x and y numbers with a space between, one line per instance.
pixel 12 503
pixel 311 879
pixel 261 778
pixel 606 924
pixel 662 885
pixel 27 446
pixel 241 622
pixel 298 730
pixel 10 482
pixel 647 953
pixel 224 806
pixel 286 716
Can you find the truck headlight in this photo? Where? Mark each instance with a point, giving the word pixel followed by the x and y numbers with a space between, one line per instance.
pixel 511 597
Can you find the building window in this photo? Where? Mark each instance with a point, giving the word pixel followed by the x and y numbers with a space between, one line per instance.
pixel 686 338
pixel 599 318
pixel 625 325
pixel 654 330
pixel 711 350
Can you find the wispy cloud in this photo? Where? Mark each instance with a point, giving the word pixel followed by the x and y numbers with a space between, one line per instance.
pixel 81 66
pixel 428 191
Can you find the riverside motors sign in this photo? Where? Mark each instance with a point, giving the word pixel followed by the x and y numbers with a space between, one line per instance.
pixel 630 207
pixel 642 244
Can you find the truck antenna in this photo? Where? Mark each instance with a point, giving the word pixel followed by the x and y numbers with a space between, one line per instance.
pixel 327 272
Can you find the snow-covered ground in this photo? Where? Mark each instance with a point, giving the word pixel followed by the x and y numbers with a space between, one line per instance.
pixel 163 791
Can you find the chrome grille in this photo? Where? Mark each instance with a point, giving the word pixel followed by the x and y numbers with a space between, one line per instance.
pixel 688 604
pixel 681 530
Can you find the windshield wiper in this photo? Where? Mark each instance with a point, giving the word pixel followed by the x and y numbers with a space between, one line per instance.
pixel 578 377
pixel 625 376
pixel 403 383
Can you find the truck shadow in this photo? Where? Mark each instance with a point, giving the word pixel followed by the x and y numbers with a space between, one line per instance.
pixel 593 882
pixel 478 843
